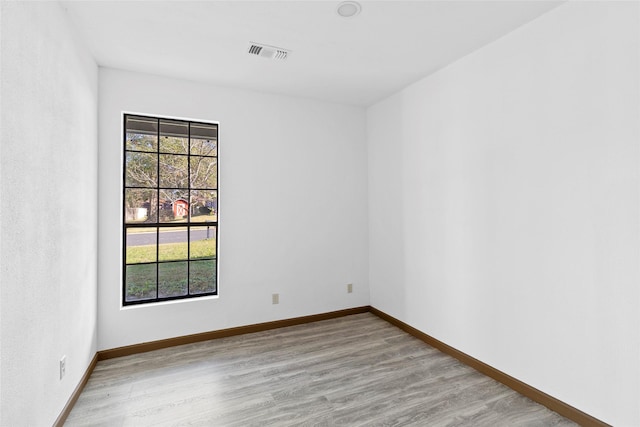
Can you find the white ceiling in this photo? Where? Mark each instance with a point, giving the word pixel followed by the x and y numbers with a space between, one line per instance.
pixel 357 60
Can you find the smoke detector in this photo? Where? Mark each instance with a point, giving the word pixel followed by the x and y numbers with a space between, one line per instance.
pixel 269 52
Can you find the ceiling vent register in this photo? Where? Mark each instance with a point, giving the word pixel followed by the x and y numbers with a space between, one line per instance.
pixel 269 52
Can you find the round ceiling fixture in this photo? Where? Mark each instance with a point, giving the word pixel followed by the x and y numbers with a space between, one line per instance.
pixel 348 9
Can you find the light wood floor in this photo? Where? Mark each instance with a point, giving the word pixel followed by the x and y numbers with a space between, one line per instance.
pixel 353 371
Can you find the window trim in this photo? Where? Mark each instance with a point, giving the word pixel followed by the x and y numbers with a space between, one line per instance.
pixel 158 224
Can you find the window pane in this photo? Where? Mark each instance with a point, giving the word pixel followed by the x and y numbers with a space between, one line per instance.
pixel 204 172
pixel 204 205
pixel 202 276
pixel 204 147
pixel 173 171
pixel 173 244
pixel 141 282
pixel 174 205
pixel 172 279
pixel 204 139
pixel 141 245
pixel 174 137
pixel 203 242
pixel 141 170
pixel 140 206
pixel 142 134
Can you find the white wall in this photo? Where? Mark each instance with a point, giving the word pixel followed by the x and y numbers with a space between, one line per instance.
pixel 1 33
pixel 293 207
pixel 504 206
pixel 49 211
pixel 1 215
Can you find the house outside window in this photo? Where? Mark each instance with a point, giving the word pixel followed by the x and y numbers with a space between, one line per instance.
pixel 170 209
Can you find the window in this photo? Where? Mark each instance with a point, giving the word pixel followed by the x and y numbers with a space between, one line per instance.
pixel 170 209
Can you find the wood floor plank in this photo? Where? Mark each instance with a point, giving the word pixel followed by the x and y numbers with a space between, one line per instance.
pixel 356 370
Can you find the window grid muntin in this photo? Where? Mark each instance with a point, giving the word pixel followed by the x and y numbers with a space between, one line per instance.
pixel 188 225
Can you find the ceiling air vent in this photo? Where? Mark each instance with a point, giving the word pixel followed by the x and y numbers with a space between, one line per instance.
pixel 270 52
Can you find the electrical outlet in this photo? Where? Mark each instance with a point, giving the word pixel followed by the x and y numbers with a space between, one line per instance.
pixel 275 299
pixel 63 366
pixel 349 288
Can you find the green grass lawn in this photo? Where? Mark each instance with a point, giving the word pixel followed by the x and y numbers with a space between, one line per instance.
pixel 172 279
pixel 171 251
